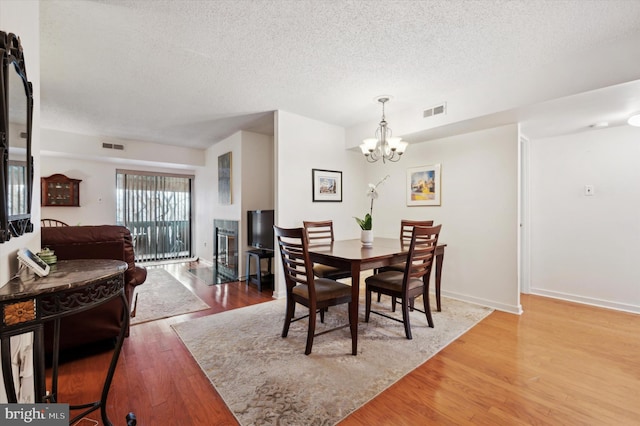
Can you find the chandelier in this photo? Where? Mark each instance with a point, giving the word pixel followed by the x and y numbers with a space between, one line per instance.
pixel 383 146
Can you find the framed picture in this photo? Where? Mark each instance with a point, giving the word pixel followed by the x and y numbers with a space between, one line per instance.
pixel 423 186
pixel 224 178
pixel 327 185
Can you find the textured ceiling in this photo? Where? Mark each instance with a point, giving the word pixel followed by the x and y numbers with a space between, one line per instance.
pixel 193 72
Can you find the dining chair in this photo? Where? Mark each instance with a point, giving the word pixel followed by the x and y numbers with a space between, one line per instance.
pixel 412 282
pixel 321 233
pixel 406 229
pixel 51 222
pixel 317 294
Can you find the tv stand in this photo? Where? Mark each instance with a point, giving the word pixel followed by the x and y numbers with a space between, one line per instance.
pixel 259 278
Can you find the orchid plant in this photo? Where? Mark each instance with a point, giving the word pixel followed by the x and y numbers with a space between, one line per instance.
pixel 372 192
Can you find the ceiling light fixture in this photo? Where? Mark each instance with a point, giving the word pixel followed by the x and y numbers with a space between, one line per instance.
pixel 383 146
pixel 634 120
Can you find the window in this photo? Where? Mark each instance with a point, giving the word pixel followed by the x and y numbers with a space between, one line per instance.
pixel 17 188
pixel 156 208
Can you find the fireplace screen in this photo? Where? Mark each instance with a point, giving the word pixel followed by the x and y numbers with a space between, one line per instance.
pixel 226 250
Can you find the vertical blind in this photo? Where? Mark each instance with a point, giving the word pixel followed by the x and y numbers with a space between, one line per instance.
pixel 156 208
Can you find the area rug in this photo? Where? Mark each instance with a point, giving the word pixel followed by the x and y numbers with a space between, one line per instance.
pixel 267 380
pixel 163 296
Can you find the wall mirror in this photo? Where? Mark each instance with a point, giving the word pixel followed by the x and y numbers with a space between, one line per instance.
pixel 16 161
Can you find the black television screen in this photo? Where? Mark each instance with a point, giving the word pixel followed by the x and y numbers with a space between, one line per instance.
pixel 260 229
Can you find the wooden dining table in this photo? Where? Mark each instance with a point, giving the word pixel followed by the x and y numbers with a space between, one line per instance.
pixel 350 254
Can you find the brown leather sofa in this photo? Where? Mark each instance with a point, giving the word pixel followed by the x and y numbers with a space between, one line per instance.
pixel 93 242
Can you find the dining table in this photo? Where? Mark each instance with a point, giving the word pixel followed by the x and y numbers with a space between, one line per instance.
pixel 351 254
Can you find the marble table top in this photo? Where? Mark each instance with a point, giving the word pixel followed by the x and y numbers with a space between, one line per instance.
pixel 66 274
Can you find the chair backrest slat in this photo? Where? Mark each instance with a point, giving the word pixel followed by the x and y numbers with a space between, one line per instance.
pixel 406 227
pixel 51 223
pixel 296 263
pixel 319 232
pixel 424 240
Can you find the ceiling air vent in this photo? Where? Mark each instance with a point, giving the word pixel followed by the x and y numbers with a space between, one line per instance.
pixel 112 146
pixel 435 110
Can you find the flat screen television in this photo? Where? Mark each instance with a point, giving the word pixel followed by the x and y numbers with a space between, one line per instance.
pixel 260 229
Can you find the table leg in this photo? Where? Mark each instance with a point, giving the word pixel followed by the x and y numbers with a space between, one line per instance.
pixel 439 261
pixel 355 297
pixel 7 370
pixel 114 359
pixel 259 272
pixel 248 269
pixel 102 403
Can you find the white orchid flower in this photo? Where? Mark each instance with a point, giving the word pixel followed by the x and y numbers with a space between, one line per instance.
pixel 372 192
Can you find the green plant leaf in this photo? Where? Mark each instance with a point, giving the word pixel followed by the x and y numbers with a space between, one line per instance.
pixel 364 223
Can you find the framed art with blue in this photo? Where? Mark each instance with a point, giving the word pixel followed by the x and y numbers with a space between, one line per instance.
pixel 423 186
pixel 327 185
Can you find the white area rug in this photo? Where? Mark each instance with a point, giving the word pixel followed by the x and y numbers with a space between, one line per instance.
pixel 267 380
pixel 163 296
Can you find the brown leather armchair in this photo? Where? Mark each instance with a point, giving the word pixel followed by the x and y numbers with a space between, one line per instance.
pixel 93 242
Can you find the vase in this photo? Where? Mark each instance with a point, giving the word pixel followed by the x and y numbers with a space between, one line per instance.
pixel 366 237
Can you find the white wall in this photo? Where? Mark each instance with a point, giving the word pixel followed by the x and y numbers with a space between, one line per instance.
pixel 206 194
pixel 81 146
pixel 23 19
pixel 82 157
pixel 303 144
pixel 258 190
pixel 479 185
pixel 97 189
pixel 585 248
pixel 479 200
pixel 252 188
pixel 478 212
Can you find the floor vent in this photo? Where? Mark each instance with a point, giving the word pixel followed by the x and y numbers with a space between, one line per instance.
pixel 435 110
pixel 113 146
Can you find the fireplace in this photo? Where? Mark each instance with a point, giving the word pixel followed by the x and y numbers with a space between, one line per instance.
pixel 226 249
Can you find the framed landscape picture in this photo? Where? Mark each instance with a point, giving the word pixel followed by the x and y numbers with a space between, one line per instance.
pixel 423 186
pixel 327 185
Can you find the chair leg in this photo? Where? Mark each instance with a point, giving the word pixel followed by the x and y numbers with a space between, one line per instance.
pixel 311 332
pixel 322 311
pixel 367 305
pixel 353 326
pixel 405 318
pixel 379 294
pixel 427 307
pixel 291 309
pixel 393 303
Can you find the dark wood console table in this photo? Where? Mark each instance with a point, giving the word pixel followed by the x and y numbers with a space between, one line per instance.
pixel 28 301
pixel 258 278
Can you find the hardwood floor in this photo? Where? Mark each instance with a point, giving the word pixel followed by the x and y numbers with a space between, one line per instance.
pixel 558 363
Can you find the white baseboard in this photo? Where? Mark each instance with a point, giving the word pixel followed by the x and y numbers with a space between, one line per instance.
pixel 512 309
pixel 587 300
